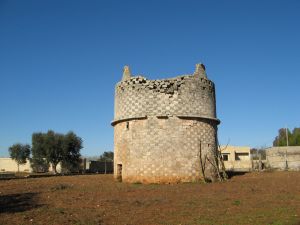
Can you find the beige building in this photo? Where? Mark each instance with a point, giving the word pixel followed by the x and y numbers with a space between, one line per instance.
pixel 236 158
pixel 9 165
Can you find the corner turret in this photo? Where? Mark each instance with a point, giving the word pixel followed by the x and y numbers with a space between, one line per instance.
pixel 126 73
pixel 200 71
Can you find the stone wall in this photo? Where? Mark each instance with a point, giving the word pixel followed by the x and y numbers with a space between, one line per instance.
pixel 284 157
pixel 183 95
pixel 158 150
pixel 159 125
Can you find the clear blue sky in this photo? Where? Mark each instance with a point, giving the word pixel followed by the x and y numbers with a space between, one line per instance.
pixel 60 60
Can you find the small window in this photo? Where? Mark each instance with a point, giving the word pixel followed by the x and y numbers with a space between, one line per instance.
pixel 127 125
pixel 242 156
pixel 225 157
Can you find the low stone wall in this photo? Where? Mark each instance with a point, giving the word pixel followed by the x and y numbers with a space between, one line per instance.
pixel 284 157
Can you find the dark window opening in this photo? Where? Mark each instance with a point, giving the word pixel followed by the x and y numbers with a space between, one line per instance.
pixel 241 156
pixel 225 157
pixel 127 125
pixel 119 172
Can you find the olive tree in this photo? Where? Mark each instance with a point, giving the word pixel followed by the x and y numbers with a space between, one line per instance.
pixel 20 153
pixel 57 148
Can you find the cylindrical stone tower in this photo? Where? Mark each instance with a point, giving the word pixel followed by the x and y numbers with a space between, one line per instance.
pixel 165 131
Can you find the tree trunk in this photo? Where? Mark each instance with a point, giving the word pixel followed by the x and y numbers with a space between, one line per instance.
pixel 202 162
pixel 212 170
pixel 54 168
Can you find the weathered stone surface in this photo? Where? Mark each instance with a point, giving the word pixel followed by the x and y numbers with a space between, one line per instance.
pixel 284 158
pixel 159 125
pixel 186 96
pixel 126 73
pixel 200 71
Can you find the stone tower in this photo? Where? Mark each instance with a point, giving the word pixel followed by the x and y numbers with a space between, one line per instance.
pixel 163 128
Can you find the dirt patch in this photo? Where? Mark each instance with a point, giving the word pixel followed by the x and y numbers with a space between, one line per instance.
pixel 253 198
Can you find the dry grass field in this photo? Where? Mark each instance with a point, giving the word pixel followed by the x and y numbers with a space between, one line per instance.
pixel 253 198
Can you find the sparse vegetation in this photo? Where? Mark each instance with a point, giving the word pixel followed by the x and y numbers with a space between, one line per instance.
pixel 60 187
pixel 254 198
pixel 237 202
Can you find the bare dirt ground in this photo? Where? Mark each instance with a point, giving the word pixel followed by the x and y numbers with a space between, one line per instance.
pixel 253 198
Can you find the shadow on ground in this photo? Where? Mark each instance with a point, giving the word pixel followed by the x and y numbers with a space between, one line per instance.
pixel 18 202
pixel 235 173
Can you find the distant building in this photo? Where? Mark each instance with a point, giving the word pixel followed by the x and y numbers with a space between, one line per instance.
pixel 10 165
pixel 236 158
pixel 283 158
pixel 101 167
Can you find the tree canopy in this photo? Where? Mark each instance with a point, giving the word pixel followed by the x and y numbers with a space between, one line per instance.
pixel 54 148
pixel 39 163
pixel 106 156
pixel 20 153
pixel 255 152
pixel 293 137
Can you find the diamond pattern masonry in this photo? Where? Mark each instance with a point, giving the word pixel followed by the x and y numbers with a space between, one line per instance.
pixel 159 126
